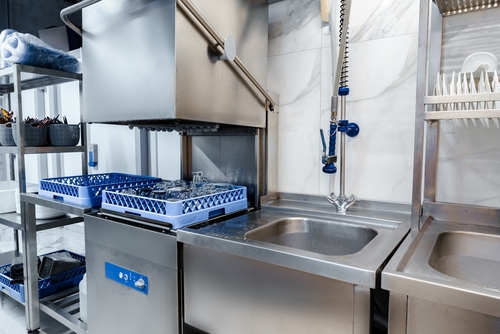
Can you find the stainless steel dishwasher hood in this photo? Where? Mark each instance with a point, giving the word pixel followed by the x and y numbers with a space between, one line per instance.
pixel 151 61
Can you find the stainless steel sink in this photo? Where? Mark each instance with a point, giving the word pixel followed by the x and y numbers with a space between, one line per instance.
pixel 304 233
pixel 472 257
pixel 449 268
pixel 315 235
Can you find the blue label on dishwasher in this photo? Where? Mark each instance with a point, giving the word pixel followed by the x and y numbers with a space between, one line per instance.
pixel 127 277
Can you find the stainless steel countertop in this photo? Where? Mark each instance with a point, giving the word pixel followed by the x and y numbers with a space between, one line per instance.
pixel 391 221
pixel 410 271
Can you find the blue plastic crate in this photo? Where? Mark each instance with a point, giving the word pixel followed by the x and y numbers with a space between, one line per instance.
pixel 46 286
pixel 181 213
pixel 86 190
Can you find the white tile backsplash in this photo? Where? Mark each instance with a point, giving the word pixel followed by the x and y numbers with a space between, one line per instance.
pixel 382 76
pixel 296 28
pixel 298 141
pixel 382 79
pixel 377 19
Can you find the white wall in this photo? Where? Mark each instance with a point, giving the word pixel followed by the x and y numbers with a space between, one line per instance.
pixel 382 79
pixel 383 36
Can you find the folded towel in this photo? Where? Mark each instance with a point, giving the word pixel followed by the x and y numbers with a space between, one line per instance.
pixel 3 36
pixel 27 49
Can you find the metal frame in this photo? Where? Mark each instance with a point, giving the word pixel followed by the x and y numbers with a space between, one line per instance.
pixel 427 126
pixel 420 295
pixel 26 222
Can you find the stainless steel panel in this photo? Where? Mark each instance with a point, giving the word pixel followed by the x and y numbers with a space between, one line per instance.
pixel 145 60
pixel 227 159
pixel 229 294
pixel 397 313
pixel 116 308
pixel 462 214
pixel 150 246
pixel 216 91
pixel 361 310
pixel 422 69
pixel 129 57
pixel 427 317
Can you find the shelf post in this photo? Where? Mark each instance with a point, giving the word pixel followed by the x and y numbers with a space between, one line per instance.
pixel 30 269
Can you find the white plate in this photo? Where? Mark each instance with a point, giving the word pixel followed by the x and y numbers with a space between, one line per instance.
pixel 484 60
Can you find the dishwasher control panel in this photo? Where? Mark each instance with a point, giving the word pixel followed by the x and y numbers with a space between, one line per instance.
pixel 127 277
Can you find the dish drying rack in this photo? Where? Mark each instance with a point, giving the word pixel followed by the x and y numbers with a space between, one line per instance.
pixel 437 100
pixel 466 97
pixel 458 102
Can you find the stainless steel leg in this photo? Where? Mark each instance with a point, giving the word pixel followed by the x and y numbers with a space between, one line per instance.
pixel 16 242
pixel 32 305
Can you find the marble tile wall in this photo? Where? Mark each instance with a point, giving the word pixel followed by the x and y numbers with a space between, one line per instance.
pixel 469 162
pixel 382 76
pixel 382 79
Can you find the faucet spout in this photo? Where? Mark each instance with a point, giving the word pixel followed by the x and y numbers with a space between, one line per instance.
pixel 342 203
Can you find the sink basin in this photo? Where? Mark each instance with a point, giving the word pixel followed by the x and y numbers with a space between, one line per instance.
pixel 472 257
pixel 315 235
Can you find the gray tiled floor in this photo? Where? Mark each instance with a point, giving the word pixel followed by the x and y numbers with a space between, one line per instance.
pixel 12 315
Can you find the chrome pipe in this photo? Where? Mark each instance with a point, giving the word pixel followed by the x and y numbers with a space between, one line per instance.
pixel 343 102
pixel 73 9
pixel 187 5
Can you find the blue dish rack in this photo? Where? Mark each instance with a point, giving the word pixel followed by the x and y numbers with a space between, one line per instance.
pixel 86 190
pixel 46 286
pixel 180 213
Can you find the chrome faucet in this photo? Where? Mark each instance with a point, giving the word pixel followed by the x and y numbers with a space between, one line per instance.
pixel 341 203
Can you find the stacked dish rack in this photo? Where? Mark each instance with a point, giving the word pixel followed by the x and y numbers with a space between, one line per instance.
pixel 177 213
pixel 87 190
pixel 46 286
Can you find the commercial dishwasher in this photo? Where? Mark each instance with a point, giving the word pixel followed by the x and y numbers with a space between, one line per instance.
pixel 180 53
pixel 132 276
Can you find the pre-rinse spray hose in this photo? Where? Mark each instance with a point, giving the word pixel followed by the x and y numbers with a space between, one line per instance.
pixel 340 84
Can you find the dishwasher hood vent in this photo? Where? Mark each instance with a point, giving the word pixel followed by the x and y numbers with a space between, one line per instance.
pixel 152 62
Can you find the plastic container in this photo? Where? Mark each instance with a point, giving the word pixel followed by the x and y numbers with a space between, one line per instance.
pixel 33 136
pixel 47 286
pixel 86 190
pixel 83 298
pixel 6 137
pixel 7 191
pixel 41 212
pixel 57 263
pixel 180 213
pixel 64 134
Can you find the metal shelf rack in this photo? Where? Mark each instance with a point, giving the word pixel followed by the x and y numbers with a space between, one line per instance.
pixel 426 298
pixel 13 81
pixel 427 126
